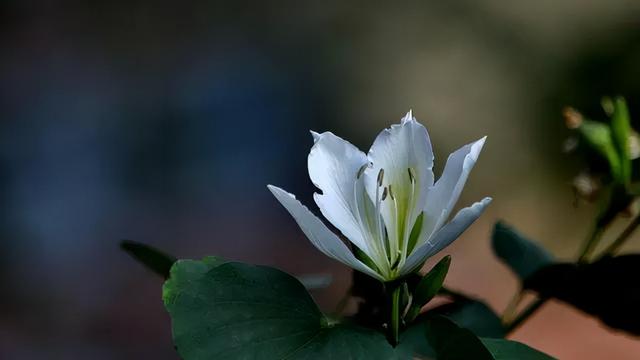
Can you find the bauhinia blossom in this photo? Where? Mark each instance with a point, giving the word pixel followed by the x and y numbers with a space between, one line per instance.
pixel 386 202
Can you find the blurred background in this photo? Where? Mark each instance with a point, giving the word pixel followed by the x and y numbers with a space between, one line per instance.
pixel 163 121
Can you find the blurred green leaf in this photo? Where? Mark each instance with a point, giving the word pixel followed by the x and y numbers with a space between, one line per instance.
pixel 428 287
pixel 239 311
pixel 621 130
pixel 522 255
pixel 605 288
pixel 154 259
pixel 598 136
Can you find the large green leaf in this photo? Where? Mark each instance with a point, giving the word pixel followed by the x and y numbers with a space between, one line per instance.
pixel 154 259
pixel 452 342
pixel 413 342
pixel 508 350
pixel 522 255
pixel 473 315
pixel 239 311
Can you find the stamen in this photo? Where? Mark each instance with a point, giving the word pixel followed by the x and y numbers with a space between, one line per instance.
pixel 361 170
pixel 379 224
pixel 410 210
pixel 394 253
pixel 380 177
pixel 371 243
pixel 384 194
pixel 412 175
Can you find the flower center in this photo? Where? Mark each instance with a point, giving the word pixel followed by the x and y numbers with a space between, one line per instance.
pixel 388 240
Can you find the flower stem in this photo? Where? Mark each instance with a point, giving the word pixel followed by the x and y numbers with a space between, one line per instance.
pixel 590 244
pixel 525 314
pixel 509 313
pixel 592 241
pixel 622 238
pixel 394 326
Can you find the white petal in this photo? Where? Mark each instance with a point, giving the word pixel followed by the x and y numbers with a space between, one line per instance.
pixel 316 136
pixel 445 236
pixel 318 233
pixel 402 147
pixel 333 167
pixel 445 193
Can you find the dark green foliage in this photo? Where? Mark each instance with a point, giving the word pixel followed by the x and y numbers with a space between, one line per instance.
pixel 474 315
pixel 154 259
pixel 522 255
pixel 239 311
pixel 452 342
pixel 606 289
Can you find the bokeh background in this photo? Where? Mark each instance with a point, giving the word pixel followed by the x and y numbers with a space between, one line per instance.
pixel 162 122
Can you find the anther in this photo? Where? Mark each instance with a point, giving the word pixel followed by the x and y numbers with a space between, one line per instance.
pixel 412 175
pixel 390 192
pixel 384 194
pixel 380 177
pixel 361 170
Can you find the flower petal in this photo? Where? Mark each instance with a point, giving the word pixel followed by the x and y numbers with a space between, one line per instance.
pixel 404 152
pixel 445 193
pixel 445 236
pixel 333 167
pixel 318 233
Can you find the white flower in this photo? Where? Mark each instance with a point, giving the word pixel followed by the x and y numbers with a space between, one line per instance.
pixel 386 202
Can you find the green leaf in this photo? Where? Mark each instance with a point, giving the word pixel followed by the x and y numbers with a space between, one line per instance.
pixel 507 350
pixel 428 287
pixel 522 255
pixel 239 311
pixel 414 343
pixel 474 315
pixel 621 130
pixel 154 259
pixel 452 342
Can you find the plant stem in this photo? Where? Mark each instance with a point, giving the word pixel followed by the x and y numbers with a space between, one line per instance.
pixel 622 238
pixel 592 241
pixel 525 314
pixel 512 307
pixel 394 326
pixel 590 244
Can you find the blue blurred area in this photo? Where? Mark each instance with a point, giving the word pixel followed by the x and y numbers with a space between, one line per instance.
pixel 168 143
pixel 162 122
